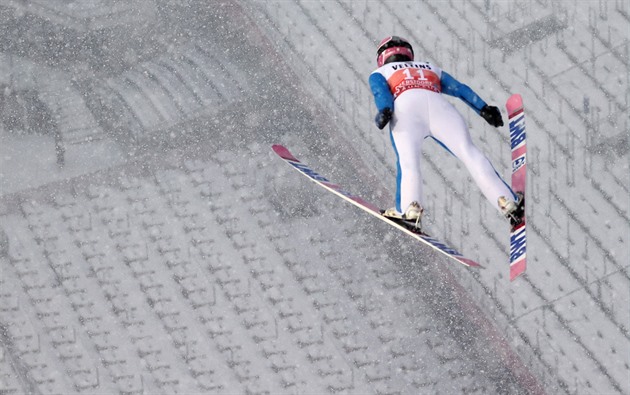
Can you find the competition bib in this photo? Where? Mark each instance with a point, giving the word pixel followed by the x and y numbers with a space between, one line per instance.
pixel 413 78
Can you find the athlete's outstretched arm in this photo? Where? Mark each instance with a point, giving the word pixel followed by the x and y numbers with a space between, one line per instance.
pixel 383 99
pixel 452 87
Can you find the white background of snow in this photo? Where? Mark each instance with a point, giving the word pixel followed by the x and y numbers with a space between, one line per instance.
pixel 565 294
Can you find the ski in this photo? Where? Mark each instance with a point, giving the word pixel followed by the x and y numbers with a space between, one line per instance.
pixel 370 208
pixel 518 233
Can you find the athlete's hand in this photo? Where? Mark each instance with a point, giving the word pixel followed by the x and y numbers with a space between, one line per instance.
pixel 492 115
pixel 383 117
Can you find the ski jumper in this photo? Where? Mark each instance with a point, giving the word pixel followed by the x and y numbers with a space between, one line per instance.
pixel 413 91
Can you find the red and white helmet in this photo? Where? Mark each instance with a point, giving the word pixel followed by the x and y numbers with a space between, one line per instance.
pixel 393 49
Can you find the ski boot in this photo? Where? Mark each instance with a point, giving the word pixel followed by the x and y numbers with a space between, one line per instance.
pixel 513 210
pixel 411 218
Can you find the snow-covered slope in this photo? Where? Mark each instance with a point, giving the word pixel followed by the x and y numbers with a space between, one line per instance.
pixel 572 308
pixel 198 262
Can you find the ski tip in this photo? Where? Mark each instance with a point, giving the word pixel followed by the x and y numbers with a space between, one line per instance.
pixel 517 269
pixel 514 103
pixel 283 152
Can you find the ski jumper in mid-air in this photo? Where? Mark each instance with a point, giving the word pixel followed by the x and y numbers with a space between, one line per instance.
pixel 408 96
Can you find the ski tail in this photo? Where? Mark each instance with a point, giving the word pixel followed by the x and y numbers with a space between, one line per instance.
pixel 370 208
pixel 518 235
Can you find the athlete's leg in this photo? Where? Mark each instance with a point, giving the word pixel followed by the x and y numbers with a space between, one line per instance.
pixel 449 127
pixel 409 128
pixel 409 174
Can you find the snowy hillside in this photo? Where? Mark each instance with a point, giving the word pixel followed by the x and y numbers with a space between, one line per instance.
pixel 152 243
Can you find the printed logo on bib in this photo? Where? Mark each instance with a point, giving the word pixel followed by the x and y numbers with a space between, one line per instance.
pixel 413 78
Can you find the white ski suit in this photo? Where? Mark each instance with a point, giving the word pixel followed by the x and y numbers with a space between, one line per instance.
pixel 412 90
